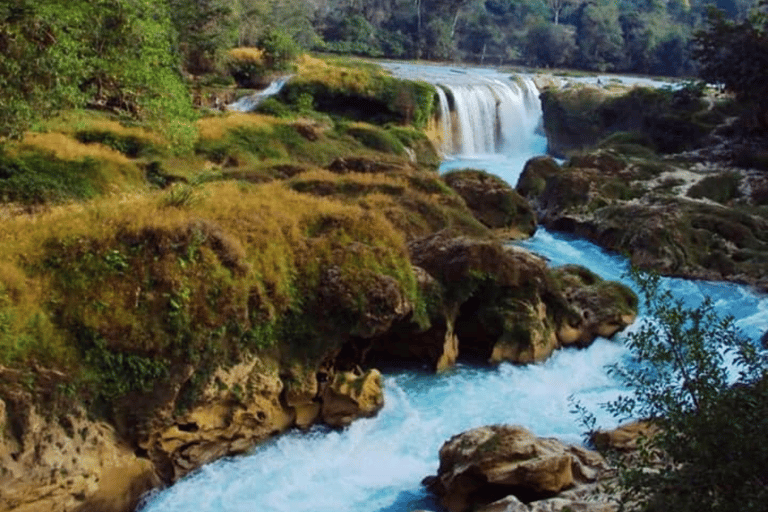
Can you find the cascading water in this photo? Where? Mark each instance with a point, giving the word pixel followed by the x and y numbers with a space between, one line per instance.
pixel 377 464
pixel 250 102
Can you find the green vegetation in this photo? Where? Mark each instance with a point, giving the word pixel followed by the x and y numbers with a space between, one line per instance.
pixel 693 374
pixel 721 188
pixel 733 53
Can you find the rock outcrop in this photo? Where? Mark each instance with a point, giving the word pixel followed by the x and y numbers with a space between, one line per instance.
pixel 504 304
pixel 494 202
pixel 68 463
pixel 350 396
pixel 581 116
pixel 660 214
pixel 487 464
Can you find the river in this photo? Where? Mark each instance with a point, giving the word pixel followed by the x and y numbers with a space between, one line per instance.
pixel 377 464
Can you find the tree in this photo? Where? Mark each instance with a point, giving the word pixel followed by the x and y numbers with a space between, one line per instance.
pixel 559 8
pixel 551 45
pixel 735 55
pixel 601 43
pixel 205 30
pixel 693 374
pixel 115 54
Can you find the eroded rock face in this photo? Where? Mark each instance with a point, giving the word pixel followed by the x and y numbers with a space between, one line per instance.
pixel 240 407
pixel 494 202
pixel 350 396
pixel 70 463
pixel 644 207
pixel 486 464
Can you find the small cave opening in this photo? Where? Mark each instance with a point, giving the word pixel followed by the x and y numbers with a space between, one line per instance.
pixel 476 330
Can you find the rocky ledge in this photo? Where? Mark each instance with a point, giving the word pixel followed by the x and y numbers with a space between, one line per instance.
pixel 675 216
pixel 503 468
pixel 506 468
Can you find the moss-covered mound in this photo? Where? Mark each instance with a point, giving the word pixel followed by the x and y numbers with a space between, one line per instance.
pixel 360 93
pixel 493 201
pixel 666 216
pixel 668 121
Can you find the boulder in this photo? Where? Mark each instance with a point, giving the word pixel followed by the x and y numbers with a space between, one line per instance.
pixel 370 302
pixel 352 395
pixel 624 438
pixel 483 465
pixel 493 202
pixel 504 304
pixel 603 307
pixel 240 407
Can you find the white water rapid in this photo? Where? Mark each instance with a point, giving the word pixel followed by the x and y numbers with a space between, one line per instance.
pixel 377 464
pixel 250 102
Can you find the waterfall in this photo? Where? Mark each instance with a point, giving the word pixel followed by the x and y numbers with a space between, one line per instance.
pixel 490 117
pixel 489 121
pixel 250 102
pixel 486 113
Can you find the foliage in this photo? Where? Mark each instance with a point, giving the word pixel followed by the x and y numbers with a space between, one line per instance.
pixel 695 375
pixel 735 54
pixel 204 29
pixel 280 50
pixel 110 53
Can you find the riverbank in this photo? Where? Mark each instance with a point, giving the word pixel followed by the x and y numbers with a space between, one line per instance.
pixel 163 308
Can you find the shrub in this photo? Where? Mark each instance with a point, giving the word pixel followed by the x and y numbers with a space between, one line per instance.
pixel 696 376
pixel 721 188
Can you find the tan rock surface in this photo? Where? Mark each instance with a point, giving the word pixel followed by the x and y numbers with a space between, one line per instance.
pixel 66 464
pixel 350 396
pixel 503 460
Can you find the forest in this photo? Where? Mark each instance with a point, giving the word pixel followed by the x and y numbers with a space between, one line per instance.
pixel 140 56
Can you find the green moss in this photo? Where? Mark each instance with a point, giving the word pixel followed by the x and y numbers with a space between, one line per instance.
pixel 720 188
pixel 35 178
pixel 377 139
pixel 130 145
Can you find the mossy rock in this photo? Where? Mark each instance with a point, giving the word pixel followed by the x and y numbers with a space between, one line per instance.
pixel 721 188
pixel 534 177
pixel 578 118
pixel 493 201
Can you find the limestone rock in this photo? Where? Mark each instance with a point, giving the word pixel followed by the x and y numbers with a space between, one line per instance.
pixel 69 463
pixel 563 503
pixel 624 438
pixel 302 394
pixel 239 408
pixel 482 465
pixel 510 307
pixel 434 344
pixel 350 396
pixel 493 202
pixel 602 307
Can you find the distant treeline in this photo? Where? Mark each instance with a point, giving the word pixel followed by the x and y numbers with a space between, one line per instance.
pixel 644 36
pixel 140 56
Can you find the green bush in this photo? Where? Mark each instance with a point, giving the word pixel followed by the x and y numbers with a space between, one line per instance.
pixel 36 178
pixel 721 188
pixel 280 50
pixel 692 373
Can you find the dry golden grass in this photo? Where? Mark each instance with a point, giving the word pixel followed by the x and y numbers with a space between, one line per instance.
pixel 353 80
pixel 67 148
pixel 73 121
pixel 217 127
pixel 247 55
